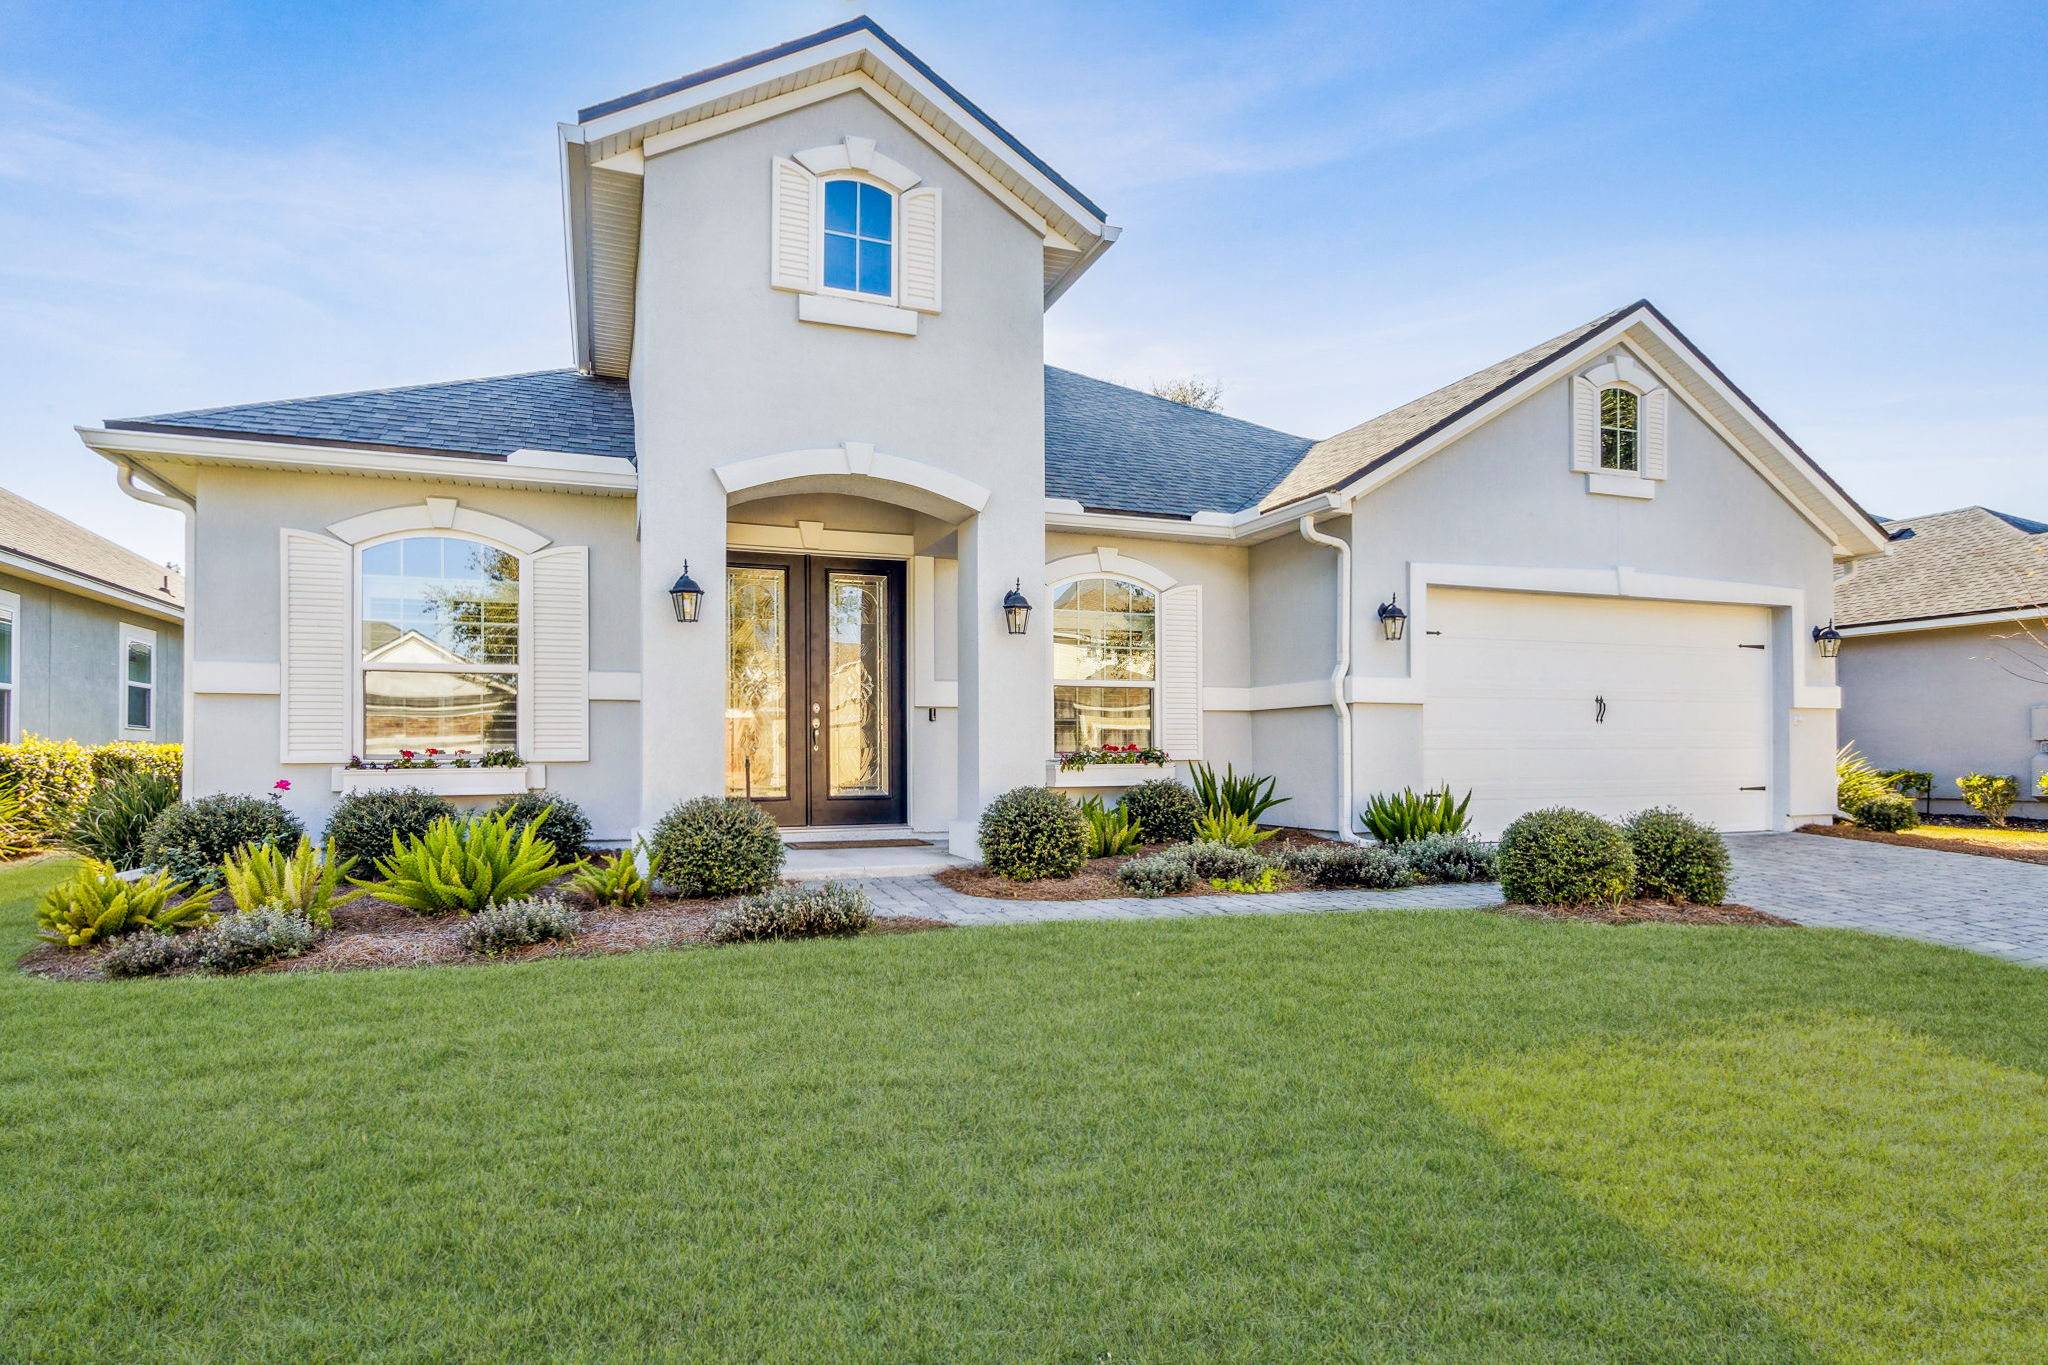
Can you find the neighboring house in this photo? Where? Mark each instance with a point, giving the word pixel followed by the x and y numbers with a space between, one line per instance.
pixel 1944 663
pixel 91 634
pixel 808 293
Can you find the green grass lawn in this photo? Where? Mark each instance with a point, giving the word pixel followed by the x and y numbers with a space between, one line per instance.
pixel 1383 1136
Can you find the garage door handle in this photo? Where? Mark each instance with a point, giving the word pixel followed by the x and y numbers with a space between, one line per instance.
pixel 1599 710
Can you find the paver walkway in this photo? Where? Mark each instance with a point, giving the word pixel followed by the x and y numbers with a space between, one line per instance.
pixel 1987 905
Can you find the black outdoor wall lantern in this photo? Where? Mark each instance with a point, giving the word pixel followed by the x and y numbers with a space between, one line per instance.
pixel 1828 640
pixel 1016 610
pixel 686 595
pixel 1392 619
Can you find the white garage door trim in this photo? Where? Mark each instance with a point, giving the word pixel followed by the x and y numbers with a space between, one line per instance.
pixel 1605 703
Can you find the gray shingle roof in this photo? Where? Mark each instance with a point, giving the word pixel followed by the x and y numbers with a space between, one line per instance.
pixel 546 410
pixel 37 533
pixel 1955 563
pixel 1106 446
pixel 1111 448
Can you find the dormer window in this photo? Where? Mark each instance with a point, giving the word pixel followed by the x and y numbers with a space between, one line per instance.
pixel 860 238
pixel 1619 429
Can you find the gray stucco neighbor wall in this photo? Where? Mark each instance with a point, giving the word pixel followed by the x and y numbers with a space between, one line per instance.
pixel 68 667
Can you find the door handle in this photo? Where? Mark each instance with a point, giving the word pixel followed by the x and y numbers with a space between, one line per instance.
pixel 1599 710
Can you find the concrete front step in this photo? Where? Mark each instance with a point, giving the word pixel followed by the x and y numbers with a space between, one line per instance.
pixel 838 864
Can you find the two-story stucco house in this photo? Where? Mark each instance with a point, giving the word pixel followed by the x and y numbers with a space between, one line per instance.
pixel 808 291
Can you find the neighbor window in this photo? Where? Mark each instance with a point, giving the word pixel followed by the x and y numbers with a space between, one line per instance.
pixel 860 236
pixel 1104 663
pixel 7 669
pixel 440 646
pixel 138 678
pixel 1618 429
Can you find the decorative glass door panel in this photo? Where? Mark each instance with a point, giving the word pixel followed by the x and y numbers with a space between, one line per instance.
pixel 814 690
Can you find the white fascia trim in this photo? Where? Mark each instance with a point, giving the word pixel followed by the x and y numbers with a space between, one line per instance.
pixel 572 460
pixel 55 576
pixel 856 458
pixel 1247 527
pixel 824 54
pixel 832 311
pixel 261 454
pixel 1988 618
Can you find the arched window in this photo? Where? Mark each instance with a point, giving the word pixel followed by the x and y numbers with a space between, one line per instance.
pixel 1105 663
pixel 1620 429
pixel 440 646
pixel 860 238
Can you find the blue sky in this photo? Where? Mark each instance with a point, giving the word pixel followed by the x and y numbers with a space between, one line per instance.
pixel 1330 208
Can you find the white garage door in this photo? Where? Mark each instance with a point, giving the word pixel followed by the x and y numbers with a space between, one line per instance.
pixel 1607 704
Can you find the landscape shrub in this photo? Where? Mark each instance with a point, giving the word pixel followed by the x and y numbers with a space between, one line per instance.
pixel 562 821
pixel 1328 867
pixel 1268 879
pixel 1250 796
pixel 1886 814
pixel 518 923
pixel 94 904
pixel 1909 781
pixel 1162 874
pixel 303 882
pixel 1230 827
pixel 1030 832
pixel 1165 809
pixel 1398 817
pixel 15 840
pixel 818 910
pixel 1221 862
pixel 709 846
pixel 368 825
pixel 116 816
pixel 1989 795
pixel 125 756
pixel 148 954
pixel 1111 830
pixel 613 881
pixel 241 941
pixel 1565 857
pixel 53 778
pixel 462 866
pixel 1449 858
pixel 191 839
pixel 1680 859
pixel 1855 780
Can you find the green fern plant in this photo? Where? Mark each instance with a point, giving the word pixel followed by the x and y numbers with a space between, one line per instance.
pixel 303 882
pixel 1406 815
pixel 1250 795
pixel 96 904
pixel 1230 828
pixel 615 881
pixel 459 866
pixel 1110 830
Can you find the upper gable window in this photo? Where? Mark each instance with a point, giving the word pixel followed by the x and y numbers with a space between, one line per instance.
pixel 860 238
pixel 1620 429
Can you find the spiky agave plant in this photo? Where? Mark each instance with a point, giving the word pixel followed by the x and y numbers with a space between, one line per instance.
pixel 1405 815
pixel 1110 830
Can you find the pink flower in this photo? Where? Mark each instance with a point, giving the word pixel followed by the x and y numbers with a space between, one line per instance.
pixel 281 785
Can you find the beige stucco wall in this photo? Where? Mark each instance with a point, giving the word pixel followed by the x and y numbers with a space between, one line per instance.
pixel 70 671
pixel 235 617
pixel 1947 702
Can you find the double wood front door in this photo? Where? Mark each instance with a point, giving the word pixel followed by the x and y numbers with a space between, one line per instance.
pixel 814 688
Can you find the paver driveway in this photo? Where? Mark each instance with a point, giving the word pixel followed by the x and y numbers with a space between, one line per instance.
pixel 1987 905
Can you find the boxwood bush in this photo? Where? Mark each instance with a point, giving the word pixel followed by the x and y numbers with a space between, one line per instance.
pixel 363 825
pixel 562 821
pixel 1565 857
pixel 710 846
pixel 1031 832
pixel 1886 814
pixel 1166 808
pixel 1677 857
pixel 817 910
pixel 191 839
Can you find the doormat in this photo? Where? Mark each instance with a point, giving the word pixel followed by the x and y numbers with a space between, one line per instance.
pixel 865 843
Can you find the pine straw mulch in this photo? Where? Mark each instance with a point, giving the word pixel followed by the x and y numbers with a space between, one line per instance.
pixel 371 933
pixel 1653 912
pixel 2010 852
pixel 1096 881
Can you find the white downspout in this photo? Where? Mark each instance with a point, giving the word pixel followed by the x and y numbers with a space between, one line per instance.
pixel 175 500
pixel 1340 674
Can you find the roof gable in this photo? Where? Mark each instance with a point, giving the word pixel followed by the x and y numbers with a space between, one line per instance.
pixel 34 533
pixel 1970 561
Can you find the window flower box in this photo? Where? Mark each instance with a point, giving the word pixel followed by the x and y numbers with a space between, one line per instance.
pixel 444 781
pixel 1107 774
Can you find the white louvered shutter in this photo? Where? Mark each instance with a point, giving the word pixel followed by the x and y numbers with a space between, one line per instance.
pixel 558 655
pixel 1656 422
pixel 920 249
pixel 315 680
pixel 1585 426
pixel 792 228
pixel 1180 672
